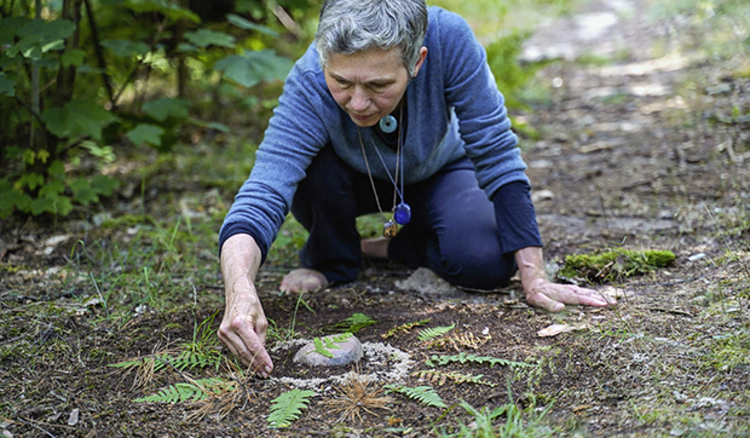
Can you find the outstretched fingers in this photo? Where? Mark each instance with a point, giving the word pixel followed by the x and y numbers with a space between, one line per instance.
pixel 553 297
pixel 243 341
pixel 589 297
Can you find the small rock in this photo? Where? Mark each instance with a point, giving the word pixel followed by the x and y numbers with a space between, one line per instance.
pixel 429 285
pixel 542 195
pixel 677 431
pixel 100 218
pixel 719 89
pixel 347 351
pixel 541 164
pixel 696 257
pixel 679 397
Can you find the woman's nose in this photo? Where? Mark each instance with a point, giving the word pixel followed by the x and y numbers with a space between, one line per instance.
pixel 360 100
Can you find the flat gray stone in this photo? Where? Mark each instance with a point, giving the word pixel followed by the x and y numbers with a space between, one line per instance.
pixel 428 285
pixel 345 352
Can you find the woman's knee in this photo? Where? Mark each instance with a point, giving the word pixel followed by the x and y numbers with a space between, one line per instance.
pixel 476 267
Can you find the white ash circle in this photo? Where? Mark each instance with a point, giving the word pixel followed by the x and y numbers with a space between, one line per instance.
pixel 396 363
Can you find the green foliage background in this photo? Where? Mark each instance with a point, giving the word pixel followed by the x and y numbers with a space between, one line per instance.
pixel 84 82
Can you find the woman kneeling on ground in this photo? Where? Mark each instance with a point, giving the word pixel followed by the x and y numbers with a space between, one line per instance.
pixel 393 108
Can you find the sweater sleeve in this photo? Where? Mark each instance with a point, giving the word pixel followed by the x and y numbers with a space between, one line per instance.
pixel 516 218
pixel 294 136
pixel 471 89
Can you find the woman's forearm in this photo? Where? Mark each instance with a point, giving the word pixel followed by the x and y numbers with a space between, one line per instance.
pixel 240 257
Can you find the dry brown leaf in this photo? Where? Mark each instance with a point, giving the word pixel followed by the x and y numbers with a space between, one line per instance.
pixel 556 329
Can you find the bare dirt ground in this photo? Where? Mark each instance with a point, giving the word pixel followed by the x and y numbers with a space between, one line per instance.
pixel 646 153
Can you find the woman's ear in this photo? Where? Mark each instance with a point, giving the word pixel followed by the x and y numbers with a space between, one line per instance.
pixel 422 56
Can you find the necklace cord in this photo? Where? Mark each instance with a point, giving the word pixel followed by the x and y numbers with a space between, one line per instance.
pixel 399 165
pixel 398 154
pixel 369 173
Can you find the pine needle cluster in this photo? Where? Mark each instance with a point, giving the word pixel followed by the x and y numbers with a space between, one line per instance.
pixel 356 395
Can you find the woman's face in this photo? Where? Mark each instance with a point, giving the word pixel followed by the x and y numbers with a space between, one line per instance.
pixel 368 85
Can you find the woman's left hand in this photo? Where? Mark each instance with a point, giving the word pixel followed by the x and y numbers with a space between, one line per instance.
pixel 541 292
pixel 553 297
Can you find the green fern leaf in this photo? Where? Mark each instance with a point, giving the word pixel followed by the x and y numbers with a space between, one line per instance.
pixel 404 328
pixel 434 332
pixel 340 339
pixel 423 394
pixel 127 364
pixel 352 324
pixel 320 348
pixel 182 392
pixel 464 358
pixel 287 407
pixel 323 346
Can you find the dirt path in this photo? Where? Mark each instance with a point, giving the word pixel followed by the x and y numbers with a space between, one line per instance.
pixel 644 152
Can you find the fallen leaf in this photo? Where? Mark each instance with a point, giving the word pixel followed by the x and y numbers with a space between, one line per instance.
pixel 93 301
pixel 612 291
pixel 556 329
pixel 73 419
pixel 56 240
pixel 54 418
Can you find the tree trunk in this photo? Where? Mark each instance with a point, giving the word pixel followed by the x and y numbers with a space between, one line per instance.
pixel 66 76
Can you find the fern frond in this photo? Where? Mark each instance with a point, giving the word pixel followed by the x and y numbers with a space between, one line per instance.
pixel 127 364
pixel 439 377
pixel 423 394
pixel 464 358
pixel 352 324
pixel 182 392
pixel 324 345
pixel 465 340
pixel 287 407
pixel 404 328
pixel 434 332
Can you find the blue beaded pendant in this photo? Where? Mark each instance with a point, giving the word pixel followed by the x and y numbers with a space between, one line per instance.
pixel 388 124
pixel 402 213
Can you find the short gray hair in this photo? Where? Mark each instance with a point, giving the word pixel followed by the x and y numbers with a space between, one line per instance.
pixel 350 26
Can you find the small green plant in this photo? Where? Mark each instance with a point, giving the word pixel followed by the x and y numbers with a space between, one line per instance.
pixel 440 377
pixel 324 345
pixel 434 332
pixel 423 394
pixel 600 266
pixel 288 407
pixel 182 392
pixel 470 358
pixel 352 324
pixel 404 328
pixel 485 423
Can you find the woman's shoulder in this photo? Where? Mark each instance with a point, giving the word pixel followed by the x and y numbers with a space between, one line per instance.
pixel 444 20
pixel 309 63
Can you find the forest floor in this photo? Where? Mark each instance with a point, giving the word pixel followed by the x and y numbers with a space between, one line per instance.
pixel 645 145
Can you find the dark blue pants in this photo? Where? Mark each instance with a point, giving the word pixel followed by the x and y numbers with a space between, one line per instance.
pixel 453 230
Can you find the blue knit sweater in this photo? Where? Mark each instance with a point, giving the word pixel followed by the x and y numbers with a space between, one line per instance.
pixel 455 109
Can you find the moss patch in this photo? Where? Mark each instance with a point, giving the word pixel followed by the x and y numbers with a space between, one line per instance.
pixel 601 266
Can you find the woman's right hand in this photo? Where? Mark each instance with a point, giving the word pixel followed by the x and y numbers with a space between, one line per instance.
pixel 243 329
